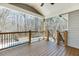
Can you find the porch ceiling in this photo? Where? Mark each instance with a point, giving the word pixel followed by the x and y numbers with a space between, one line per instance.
pixel 47 10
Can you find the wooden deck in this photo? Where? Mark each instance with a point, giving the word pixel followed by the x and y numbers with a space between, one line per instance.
pixel 40 48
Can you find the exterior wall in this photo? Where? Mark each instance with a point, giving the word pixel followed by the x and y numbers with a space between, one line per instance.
pixel 73 32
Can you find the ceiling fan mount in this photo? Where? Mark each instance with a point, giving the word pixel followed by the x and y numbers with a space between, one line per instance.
pixel 44 3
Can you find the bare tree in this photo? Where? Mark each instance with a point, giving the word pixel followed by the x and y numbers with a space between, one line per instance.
pixel 3 18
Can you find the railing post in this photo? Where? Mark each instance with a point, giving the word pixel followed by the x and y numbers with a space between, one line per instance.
pixel 47 35
pixel 65 38
pixel 43 35
pixel 58 37
pixel 30 36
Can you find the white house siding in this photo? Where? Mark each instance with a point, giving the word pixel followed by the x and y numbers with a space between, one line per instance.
pixel 73 32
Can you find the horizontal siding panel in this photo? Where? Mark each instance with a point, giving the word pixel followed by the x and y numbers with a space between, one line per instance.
pixel 73 26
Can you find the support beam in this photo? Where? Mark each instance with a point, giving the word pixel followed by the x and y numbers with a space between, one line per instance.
pixel 65 38
pixel 47 32
pixel 58 37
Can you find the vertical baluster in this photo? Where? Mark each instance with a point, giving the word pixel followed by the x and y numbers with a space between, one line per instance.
pixel 11 39
pixel 47 35
pixel 7 40
pixel 2 40
pixel 14 37
pixel 29 36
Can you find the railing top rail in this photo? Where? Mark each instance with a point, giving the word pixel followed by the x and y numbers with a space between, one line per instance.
pixel 19 32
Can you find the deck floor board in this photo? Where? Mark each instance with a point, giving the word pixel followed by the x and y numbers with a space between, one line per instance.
pixel 40 48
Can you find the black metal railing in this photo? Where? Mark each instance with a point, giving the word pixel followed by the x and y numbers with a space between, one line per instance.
pixel 8 39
